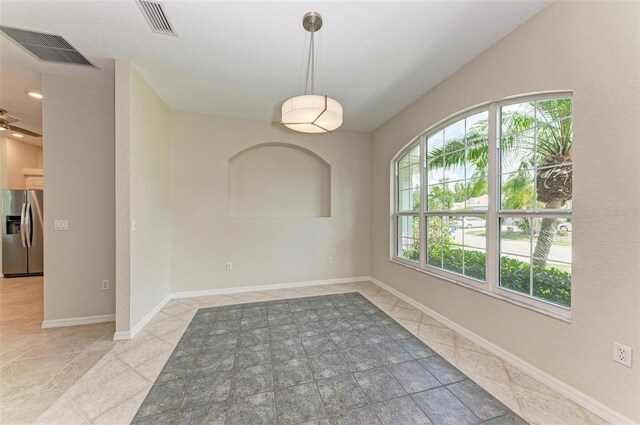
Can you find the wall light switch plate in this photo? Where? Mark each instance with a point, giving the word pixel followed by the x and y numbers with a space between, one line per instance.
pixel 134 225
pixel 105 284
pixel 61 224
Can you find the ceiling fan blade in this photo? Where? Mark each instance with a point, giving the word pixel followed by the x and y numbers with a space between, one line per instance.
pixel 23 131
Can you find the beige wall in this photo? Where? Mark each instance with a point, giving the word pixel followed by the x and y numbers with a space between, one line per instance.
pixel 142 150
pixel 262 250
pixel 15 157
pixel 278 194
pixel 592 49
pixel 78 128
pixel 150 201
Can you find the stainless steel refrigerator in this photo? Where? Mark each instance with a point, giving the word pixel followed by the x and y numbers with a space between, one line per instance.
pixel 22 240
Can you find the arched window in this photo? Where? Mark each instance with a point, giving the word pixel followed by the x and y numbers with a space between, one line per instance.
pixel 484 200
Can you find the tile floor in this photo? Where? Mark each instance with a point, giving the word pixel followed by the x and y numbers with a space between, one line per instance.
pixel 113 390
pixel 38 365
pixel 330 359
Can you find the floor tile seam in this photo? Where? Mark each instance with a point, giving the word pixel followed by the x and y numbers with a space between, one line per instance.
pixel 117 406
pixel 15 405
pixel 423 411
pixel 21 356
pixel 275 401
pixel 392 399
pixel 60 337
pixel 48 383
pixel 385 366
pixel 137 347
pixel 84 415
pixel 465 404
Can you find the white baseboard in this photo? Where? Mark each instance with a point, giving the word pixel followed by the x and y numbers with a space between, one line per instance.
pixel 120 335
pixel 568 391
pixel 75 321
pixel 240 289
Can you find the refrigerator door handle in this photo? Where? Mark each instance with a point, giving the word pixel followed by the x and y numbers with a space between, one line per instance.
pixel 29 218
pixel 22 225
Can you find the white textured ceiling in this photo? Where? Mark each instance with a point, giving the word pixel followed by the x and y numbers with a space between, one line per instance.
pixel 243 59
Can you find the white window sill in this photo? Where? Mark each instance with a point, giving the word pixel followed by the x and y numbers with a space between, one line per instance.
pixel 561 314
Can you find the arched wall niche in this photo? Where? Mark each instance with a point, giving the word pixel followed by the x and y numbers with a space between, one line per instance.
pixel 279 180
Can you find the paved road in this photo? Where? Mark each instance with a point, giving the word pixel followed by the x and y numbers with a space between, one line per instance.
pixel 518 247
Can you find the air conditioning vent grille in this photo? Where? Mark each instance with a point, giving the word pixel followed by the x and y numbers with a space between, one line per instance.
pixel 46 47
pixel 156 16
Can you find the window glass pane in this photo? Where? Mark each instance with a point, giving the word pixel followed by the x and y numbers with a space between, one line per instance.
pixel 552 282
pixel 476 194
pixel 435 142
pixel 554 142
pixel 554 187
pixel 452 259
pixel 517 152
pixel 434 241
pixel 515 236
pixel 457 244
pixel 517 117
pixel 414 155
pixel 475 232
pixel 435 171
pixel 409 237
pixel 454 136
pixel 452 254
pixel 537 136
pixel 404 200
pixel 458 190
pixel 454 169
pixel 515 273
pixel 552 239
pixel 478 125
pixel 475 263
pixel 409 188
pixel 517 191
pixel 549 110
pixel 438 198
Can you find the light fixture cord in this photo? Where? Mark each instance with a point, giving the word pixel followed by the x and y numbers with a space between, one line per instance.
pixel 311 63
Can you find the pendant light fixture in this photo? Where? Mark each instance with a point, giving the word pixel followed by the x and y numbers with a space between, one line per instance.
pixel 312 113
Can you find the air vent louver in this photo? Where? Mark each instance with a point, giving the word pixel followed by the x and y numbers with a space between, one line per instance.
pixel 46 47
pixel 156 16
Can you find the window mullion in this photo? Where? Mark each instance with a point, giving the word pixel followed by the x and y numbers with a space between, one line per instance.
pixel 423 198
pixel 493 227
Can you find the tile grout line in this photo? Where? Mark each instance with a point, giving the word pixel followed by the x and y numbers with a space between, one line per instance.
pixel 353 376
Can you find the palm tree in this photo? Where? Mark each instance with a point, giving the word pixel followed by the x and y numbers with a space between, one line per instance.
pixel 536 135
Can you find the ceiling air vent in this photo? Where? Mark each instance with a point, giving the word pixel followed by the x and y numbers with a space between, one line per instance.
pixel 46 47
pixel 156 17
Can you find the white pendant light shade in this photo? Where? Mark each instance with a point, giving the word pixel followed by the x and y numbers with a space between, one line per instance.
pixel 312 114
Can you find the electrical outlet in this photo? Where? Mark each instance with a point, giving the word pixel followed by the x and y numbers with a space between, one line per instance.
pixel 105 284
pixel 622 354
pixel 330 260
pixel 229 266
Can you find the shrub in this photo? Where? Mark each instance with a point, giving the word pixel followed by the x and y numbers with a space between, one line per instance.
pixel 549 283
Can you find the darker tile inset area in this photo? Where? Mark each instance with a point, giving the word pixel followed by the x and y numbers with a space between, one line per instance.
pixel 333 359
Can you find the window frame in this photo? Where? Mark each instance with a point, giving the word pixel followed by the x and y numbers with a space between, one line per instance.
pixel 491 285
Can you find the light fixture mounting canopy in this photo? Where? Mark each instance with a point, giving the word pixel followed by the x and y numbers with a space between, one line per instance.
pixel 312 20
